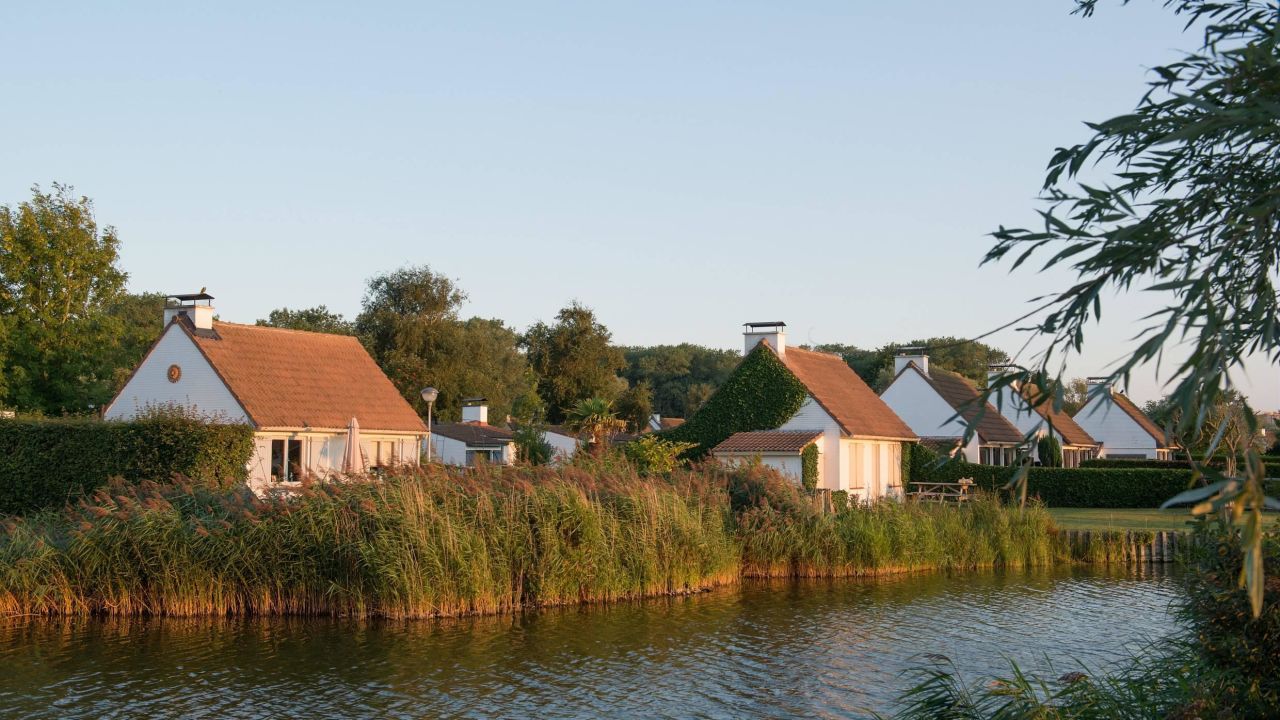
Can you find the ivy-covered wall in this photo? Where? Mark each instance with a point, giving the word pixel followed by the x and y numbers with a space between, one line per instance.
pixel 809 466
pixel 761 394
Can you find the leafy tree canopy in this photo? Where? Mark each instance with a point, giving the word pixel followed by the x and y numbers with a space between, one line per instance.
pixel 58 274
pixel 681 377
pixel 1187 211
pixel 314 319
pixel 573 360
pixel 969 358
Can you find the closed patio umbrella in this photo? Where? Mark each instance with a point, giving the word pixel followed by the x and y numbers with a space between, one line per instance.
pixel 352 459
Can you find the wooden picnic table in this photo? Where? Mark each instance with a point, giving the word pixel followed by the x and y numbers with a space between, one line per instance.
pixel 957 491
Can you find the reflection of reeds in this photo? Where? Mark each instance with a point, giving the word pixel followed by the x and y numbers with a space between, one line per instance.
pixel 440 542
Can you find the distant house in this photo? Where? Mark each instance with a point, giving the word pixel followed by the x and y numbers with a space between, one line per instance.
pixel 473 441
pixel 1016 407
pixel 860 439
pixel 940 407
pixel 657 423
pixel 563 441
pixel 300 391
pixel 1124 430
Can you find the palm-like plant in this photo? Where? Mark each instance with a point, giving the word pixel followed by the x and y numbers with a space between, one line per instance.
pixel 595 418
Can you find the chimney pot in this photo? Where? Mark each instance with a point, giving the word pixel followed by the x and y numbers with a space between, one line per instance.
pixel 775 333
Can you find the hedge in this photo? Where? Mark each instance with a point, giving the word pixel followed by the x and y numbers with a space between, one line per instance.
pixel 1271 465
pixel 1063 487
pixel 45 463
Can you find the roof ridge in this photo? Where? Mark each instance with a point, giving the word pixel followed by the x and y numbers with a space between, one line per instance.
pixel 273 328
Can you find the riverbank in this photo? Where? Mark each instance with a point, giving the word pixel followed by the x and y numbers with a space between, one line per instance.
pixel 441 542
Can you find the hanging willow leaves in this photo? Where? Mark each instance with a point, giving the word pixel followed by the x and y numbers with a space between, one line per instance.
pixel 1190 211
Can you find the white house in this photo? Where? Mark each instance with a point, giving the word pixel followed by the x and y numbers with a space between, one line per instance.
pixel 860 439
pixel 779 449
pixel 1015 404
pixel 300 391
pixel 940 406
pixel 564 442
pixel 473 441
pixel 1124 430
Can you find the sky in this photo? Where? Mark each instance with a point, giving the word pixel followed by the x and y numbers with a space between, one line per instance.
pixel 682 168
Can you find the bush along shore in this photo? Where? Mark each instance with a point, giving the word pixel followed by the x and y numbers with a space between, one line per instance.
pixel 441 542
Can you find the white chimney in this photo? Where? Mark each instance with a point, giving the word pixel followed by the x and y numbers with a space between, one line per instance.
pixel 909 355
pixel 196 308
pixel 475 410
pixel 775 333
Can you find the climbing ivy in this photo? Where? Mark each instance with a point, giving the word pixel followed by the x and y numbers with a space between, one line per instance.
pixel 760 394
pixel 809 467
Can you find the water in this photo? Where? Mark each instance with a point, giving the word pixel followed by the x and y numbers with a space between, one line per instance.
pixel 768 649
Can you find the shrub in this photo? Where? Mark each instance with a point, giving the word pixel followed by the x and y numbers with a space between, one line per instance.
pixel 1069 487
pixel 809 467
pixel 531 445
pixel 1049 450
pixel 1272 466
pixel 652 455
pixel 46 463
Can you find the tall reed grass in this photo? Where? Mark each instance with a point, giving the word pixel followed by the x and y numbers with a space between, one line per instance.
pixel 445 542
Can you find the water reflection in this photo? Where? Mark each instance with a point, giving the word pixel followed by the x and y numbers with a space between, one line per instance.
pixel 812 648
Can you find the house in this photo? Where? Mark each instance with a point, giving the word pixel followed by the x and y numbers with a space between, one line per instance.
pixel 305 394
pixel 779 449
pixel 1124 430
pixel 860 440
pixel 657 423
pixel 1015 404
pixel 941 406
pixel 473 441
pixel 563 441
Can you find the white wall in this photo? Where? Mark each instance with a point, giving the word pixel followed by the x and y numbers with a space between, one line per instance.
pixel 1110 425
pixel 874 468
pixel 322 453
pixel 198 389
pixel 833 474
pixel 789 465
pixel 921 408
pixel 562 446
pixel 454 452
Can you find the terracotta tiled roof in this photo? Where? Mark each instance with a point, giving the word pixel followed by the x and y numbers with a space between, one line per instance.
pixel 668 423
pixel 839 390
pixel 944 446
pixel 295 379
pixel 960 394
pixel 1072 434
pixel 475 434
pixel 776 441
pixel 1140 417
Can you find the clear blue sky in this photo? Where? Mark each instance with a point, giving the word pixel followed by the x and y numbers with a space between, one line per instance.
pixel 680 167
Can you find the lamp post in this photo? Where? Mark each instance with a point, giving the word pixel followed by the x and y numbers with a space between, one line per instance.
pixel 429 396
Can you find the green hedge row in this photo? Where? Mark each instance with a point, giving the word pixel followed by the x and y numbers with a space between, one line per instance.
pixel 1064 487
pixel 45 463
pixel 1272 466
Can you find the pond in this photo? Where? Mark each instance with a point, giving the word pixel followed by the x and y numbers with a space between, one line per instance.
pixel 833 648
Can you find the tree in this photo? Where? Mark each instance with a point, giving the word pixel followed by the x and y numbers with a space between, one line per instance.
pixel 595 418
pixel 1190 214
pixel 58 274
pixel 969 358
pixel 672 370
pixel 1075 393
pixel 531 445
pixel 635 406
pixel 573 360
pixel 410 324
pixel 139 319
pixel 314 319
pixel 1049 450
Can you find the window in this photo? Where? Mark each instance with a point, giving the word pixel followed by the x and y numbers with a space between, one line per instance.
pixel 286 460
pixel 382 454
pixel 483 457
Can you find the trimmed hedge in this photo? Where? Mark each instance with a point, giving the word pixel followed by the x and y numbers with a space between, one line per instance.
pixel 1272 467
pixel 760 394
pixel 1064 487
pixel 46 463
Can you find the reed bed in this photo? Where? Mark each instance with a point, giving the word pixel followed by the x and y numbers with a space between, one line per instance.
pixel 445 542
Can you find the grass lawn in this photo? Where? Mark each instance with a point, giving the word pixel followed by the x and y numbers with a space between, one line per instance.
pixel 1126 518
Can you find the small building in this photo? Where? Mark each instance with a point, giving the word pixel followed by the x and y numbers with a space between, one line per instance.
pixel 302 392
pixel 657 423
pixel 1126 433
pixel 563 441
pixel 473 441
pixel 861 439
pixel 941 407
pixel 779 449
pixel 1016 405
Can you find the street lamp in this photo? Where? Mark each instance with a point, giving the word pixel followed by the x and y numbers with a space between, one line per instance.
pixel 429 396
